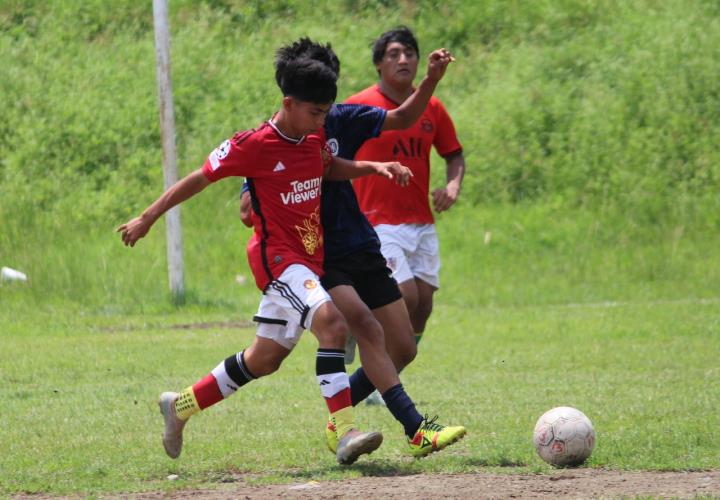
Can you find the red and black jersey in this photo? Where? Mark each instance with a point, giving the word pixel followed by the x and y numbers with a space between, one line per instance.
pixel 284 176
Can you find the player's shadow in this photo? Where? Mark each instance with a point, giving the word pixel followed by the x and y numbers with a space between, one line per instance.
pixel 390 468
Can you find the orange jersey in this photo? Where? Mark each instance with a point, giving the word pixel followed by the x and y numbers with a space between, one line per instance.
pixel 383 201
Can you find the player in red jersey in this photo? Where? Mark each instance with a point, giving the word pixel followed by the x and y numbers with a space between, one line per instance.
pixel 356 275
pixel 403 218
pixel 285 161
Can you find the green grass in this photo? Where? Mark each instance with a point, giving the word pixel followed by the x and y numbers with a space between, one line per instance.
pixel 579 267
pixel 80 413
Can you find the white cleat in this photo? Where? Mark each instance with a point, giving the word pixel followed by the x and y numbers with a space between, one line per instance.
pixel 172 437
pixel 355 443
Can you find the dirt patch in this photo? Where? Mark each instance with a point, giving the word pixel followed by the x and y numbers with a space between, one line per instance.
pixel 575 483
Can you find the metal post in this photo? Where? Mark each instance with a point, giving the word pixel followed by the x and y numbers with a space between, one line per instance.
pixel 167 127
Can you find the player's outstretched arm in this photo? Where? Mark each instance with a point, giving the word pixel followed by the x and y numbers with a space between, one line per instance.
pixel 341 170
pixel 411 110
pixel 185 188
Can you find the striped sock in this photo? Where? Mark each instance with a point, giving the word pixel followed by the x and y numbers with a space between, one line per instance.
pixel 335 388
pixel 221 383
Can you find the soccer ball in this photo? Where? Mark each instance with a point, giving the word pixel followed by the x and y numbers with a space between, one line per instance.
pixel 564 437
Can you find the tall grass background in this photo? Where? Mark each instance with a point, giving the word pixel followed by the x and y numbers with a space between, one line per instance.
pixel 589 127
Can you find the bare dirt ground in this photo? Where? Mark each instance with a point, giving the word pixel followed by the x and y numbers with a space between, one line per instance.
pixel 569 483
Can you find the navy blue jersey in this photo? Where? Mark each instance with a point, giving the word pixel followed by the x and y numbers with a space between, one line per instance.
pixel 346 229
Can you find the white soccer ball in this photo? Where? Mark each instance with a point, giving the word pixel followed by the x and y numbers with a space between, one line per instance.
pixel 564 436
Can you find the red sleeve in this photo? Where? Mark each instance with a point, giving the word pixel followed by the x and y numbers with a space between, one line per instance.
pixel 234 157
pixel 446 141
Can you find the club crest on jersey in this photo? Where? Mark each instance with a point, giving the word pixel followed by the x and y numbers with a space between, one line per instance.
pixel 220 153
pixel 426 126
pixel 310 284
pixel 334 146
pixel 302 191
pixel 309 232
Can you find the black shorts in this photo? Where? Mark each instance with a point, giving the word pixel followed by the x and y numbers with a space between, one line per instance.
pixel 367 273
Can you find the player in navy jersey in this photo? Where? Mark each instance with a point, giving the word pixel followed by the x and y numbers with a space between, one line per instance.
pixel 356 275
pixel 285 160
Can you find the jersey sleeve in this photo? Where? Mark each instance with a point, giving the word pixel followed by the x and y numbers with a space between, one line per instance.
pixel 364 121
pixel 446 141
pixel 234 157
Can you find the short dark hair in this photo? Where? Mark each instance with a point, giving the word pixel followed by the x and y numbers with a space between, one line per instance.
pixel 307 71
pixel 401 34
pixel 308 48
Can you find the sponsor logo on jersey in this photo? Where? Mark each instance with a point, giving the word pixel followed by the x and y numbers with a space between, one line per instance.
pixel 334 146
pixel 412 148
pixel 279 167
pixel 302 191
pixel 220 153
pixel 310 284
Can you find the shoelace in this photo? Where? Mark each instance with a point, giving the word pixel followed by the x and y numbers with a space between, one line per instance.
pixel 429 424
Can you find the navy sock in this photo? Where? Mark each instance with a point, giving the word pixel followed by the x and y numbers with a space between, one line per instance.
pixel 403 409
pixel 360 386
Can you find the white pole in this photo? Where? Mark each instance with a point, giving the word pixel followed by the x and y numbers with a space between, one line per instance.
pixel 167 127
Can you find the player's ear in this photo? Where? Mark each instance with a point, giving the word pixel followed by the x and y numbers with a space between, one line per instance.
pixel 287 102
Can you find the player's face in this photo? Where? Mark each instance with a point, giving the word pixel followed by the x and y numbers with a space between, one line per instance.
pixel 398 66
pixel 306 117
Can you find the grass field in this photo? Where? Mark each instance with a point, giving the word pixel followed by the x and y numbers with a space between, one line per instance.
pixel 637 353
pixel 580 266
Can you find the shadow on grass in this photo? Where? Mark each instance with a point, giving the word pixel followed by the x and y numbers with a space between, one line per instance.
pixel 391 468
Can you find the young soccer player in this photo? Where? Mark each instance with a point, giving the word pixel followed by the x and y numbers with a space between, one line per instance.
pixel 403 218
pixel 356 275
pixel 284 160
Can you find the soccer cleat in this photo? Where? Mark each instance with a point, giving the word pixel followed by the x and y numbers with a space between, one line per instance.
pixel 432 437
pixel 331 435
pixel 375 399
pixel 172 437
pixel 355 443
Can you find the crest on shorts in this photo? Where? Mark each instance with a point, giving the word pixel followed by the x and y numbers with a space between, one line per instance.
pixel 310 284
pixel 309 232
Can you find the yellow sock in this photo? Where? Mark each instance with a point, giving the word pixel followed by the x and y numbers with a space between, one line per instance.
pixel 343 421
pixel 186 405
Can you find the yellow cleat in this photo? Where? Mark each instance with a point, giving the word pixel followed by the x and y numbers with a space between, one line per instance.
pixel 331 435
pixel 432 437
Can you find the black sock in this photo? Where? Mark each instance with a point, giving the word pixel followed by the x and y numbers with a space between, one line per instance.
pixel 403 409
pixel 360 386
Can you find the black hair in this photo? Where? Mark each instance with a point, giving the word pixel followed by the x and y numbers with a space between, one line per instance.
pixel 308 48
pixel 401 34
pixel 307 71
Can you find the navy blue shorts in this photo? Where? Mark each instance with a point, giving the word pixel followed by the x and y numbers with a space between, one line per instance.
pixel 367 273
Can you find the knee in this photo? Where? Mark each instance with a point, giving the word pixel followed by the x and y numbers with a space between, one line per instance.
pixel 333 330
pixel 368 330
pixel 262 364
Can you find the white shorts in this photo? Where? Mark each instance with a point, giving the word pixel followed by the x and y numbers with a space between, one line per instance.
pixel 289 304
pixel 411 251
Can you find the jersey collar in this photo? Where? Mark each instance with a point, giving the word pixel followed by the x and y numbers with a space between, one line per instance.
pixel 283 136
